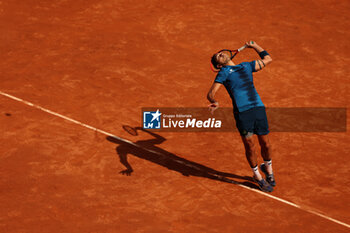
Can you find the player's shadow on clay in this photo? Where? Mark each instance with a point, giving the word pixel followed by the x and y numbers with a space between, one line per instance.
pixel 147 149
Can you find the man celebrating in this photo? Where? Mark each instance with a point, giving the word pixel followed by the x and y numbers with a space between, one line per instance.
pixel 249 110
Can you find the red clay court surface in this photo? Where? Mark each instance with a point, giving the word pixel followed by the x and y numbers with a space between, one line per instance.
pixel 100 62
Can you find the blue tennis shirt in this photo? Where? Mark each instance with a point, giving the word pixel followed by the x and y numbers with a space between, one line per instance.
pixel 238 81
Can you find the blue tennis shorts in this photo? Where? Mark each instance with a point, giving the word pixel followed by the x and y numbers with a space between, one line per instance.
pixel 252 121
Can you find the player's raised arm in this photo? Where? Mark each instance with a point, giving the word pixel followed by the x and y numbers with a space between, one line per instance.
pixel 264 55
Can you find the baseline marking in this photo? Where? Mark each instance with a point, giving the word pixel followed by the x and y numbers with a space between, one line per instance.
pixel 129 142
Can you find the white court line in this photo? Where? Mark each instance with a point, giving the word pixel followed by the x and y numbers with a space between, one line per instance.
pixel 131 143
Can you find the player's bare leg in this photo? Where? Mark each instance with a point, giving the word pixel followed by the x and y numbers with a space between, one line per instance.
pixel 250 154
pixel 265 144
pixel 266 152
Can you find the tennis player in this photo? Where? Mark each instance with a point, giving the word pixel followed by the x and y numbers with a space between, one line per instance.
pixel 249 110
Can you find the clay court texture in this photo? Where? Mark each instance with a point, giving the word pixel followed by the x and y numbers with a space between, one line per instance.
pixel 73 73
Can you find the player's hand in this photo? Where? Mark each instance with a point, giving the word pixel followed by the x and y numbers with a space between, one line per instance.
pixel 213 107
pixel 250 44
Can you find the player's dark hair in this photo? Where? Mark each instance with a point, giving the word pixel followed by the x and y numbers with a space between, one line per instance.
pixel 214 61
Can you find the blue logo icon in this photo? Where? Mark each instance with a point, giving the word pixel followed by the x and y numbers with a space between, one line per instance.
pixel 151 120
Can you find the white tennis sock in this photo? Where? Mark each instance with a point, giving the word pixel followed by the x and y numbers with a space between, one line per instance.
pixel 268 165
pixel 256 173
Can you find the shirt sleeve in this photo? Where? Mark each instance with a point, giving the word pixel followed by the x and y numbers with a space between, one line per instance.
pixel 252 65
pixel 220 77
